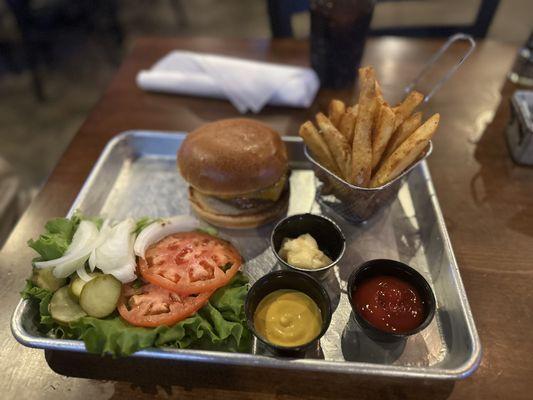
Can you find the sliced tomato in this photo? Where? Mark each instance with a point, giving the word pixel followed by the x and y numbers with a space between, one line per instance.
pixel 151 305
pixel 190 262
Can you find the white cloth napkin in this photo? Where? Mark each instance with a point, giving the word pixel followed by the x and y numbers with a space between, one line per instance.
pixel 249 85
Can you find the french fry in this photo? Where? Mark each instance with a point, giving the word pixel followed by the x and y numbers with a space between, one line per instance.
pixel 404 130
pixel 336 142
pixel 407 106
pixel 335 111
pixel 383 132
pixel 406 153
pixel 362 140
pixel 318 147
pixel 379 94
pixel 347 124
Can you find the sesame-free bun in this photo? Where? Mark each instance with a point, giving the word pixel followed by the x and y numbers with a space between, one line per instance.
pixel 232 157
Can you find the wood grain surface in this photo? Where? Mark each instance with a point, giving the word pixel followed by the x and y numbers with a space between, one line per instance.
pixel 487 201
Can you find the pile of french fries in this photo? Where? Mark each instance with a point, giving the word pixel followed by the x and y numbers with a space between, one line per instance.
pixel 369 143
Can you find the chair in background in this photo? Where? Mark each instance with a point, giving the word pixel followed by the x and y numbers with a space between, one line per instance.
pixel 47 23
pixel 281 12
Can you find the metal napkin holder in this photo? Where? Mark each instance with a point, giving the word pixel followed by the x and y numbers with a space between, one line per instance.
pixel 358 204
pixel 520 129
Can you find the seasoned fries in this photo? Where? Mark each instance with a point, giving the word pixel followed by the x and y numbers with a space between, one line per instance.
pixel 370 143
pixel 383 132
pixel 406 153
pixel 336 142
pixel 379 95
pixel 347 124
pixel 336 111
pixel 318 147
pixel 406 107
pixel 404 130
pixel 362 141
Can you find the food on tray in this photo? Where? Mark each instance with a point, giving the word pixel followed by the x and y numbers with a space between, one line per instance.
pixel 336 111
pixel 288 318
pixel 237 171
pixel 96 298
pixel 109 247
pixel 406 153
pixel 152 306
pixel 337 143
pixel 361 157
pixel 407 127
pixel 318 147
pixel 190 263
pixel 389 303
pixel 186 290
pixel 307 242
pixel 99 296
pixel 347 124
pixel 76 285
pixel 44 277
pixel 303 252
pixel 370 143
pixel 63 308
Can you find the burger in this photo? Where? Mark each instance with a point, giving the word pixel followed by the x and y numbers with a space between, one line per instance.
pixel 237 171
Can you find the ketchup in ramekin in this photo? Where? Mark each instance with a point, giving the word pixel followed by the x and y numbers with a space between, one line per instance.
pixel 389 303
pixel 390 300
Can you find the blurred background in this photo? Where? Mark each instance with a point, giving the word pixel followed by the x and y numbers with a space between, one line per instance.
pixel 57 56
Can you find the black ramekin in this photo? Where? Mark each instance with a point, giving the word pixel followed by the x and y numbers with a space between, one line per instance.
pixel 399 270
pixel 327 233
pixel 286 279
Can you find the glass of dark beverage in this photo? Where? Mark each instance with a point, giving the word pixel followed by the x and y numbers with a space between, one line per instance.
pixel 338 34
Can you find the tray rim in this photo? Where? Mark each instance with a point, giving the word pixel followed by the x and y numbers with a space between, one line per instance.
pixel 243 359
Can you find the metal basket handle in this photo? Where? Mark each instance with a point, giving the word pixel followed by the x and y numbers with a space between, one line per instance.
pixel 427 67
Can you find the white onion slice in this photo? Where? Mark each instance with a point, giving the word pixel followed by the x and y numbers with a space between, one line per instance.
pixel 160 229
pixel 126 274
pixel 84 276
pixel 77 253
pixel 115 254
pixel 102 237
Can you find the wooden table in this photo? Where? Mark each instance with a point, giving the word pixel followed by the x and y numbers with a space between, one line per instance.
pixel 486 199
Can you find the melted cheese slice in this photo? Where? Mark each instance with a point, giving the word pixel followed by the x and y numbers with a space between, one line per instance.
pixel 271 193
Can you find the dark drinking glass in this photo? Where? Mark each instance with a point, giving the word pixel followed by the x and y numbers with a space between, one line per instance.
pixel 338 34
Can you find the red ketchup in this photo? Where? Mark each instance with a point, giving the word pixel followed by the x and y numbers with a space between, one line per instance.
pixel 389 304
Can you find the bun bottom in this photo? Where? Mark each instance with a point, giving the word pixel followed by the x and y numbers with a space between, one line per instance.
pixel 242 221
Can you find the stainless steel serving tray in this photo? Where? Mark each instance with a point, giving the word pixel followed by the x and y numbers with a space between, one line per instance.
pixel 136 176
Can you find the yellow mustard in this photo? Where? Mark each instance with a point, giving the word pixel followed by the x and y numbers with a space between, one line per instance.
pixel 287 318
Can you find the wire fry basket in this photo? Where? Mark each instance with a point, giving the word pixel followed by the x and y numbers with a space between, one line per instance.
pixel 358 204
pixel 354 203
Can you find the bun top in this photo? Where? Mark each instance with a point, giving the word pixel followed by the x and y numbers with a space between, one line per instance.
pixel 232 157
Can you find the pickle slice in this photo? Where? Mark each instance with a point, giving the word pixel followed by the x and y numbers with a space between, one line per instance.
pixel 63 308
pixel 77 284
pixel 99 296
pixel 45 279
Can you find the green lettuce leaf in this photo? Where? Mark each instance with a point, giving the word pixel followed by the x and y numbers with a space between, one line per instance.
pixel 112 336
pixel 54 242
pixel 143 223
pixel 31 291
pixel 42 297
pixel 219 325
pixel 209 230
pixel 58 234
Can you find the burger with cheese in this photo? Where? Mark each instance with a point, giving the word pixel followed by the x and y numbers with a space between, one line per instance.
pixel 237 171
